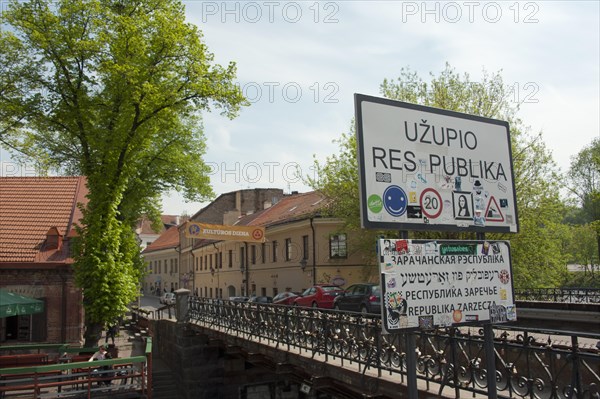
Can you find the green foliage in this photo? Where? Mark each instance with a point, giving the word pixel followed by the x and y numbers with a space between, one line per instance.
pixel 584 186
pixel 583 246
pixel 584 180
pixel 581 280
pixel 112 90
pixel 537 251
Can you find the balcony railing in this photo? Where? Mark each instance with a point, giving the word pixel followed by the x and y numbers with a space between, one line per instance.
pixel 529 363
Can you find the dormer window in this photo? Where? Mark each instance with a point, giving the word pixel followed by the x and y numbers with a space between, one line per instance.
pixel 53 239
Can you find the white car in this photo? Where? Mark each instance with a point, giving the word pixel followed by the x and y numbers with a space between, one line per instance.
pixel 168 298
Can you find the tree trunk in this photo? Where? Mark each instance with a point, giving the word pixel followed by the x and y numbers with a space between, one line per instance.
pixel 93 334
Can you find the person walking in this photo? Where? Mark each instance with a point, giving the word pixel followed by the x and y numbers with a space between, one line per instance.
pixel 111 333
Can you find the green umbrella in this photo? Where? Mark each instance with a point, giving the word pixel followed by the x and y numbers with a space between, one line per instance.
pixel 12 304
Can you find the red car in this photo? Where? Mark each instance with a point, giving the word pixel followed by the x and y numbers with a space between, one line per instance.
pixel 319 296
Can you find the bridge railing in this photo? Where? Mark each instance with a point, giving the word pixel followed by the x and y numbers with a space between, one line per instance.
pixel 529 363
pixel 570 295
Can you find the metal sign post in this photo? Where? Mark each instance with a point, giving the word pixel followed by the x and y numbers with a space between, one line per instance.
pixel 411 352
pixel 490 353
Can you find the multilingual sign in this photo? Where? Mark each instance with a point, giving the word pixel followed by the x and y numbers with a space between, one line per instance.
pixel 430 284
pixel 424 168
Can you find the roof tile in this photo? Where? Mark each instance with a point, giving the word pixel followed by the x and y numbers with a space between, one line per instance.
pixel 29 207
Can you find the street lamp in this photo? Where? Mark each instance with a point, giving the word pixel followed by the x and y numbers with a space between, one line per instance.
pixel 303 264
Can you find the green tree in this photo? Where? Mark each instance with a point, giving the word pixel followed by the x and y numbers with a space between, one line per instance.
pixel 584 246
pixel 112 90
pixel 584 185
pixel 536 251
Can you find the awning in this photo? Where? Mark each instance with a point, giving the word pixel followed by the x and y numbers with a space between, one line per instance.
pixel 12 304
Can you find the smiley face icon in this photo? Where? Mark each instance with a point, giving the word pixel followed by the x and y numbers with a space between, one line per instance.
pixel 395 201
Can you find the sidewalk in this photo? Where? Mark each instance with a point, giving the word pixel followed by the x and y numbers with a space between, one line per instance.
pixel 126 343
pixel 130 346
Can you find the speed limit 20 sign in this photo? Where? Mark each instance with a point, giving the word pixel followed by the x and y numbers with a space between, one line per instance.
pixel 424 168
pixel 431 203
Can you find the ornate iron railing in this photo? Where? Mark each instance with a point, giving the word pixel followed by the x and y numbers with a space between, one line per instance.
pixel 572 295
pixel 529 363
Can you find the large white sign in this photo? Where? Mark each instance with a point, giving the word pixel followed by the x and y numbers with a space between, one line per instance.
pixel 424 168
pixel 429 284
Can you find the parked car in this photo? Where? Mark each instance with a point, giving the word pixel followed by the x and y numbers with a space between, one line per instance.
pixel 260 299
pixel 238 298
pixel 362 297
pixel 285 298
pixel 168 298
pixel 319 296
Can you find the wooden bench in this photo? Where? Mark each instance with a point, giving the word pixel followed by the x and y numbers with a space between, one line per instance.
pixel 89 381
pixel 76 358
pixel 23 360
pixel 26 381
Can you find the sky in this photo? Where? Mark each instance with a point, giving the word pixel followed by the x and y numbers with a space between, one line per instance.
pixel 301 62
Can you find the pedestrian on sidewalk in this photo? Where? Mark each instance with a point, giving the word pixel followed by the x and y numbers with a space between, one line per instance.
pixel 111 333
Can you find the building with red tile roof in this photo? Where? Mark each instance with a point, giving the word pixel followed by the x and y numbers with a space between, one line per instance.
pixel 37 219
pixel 302 247
pixel 146 233
pixel 162 256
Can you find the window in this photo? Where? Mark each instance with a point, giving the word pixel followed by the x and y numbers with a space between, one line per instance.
pixel 220 260
pixel 274 251
pixel 230 258
pixel 201 263
pixel 253 254
pixel 176 265
pixel 304 247
pixel 242 259
pixel 288 249
pixel 337 246
pixel 263 252
pixel 210 261
pixel 197 263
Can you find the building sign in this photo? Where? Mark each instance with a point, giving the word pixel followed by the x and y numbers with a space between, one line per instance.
pixel 225 233
pixel 429 284
pixel 424 168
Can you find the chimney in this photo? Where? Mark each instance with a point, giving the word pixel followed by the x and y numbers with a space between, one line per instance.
pixel 238 200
